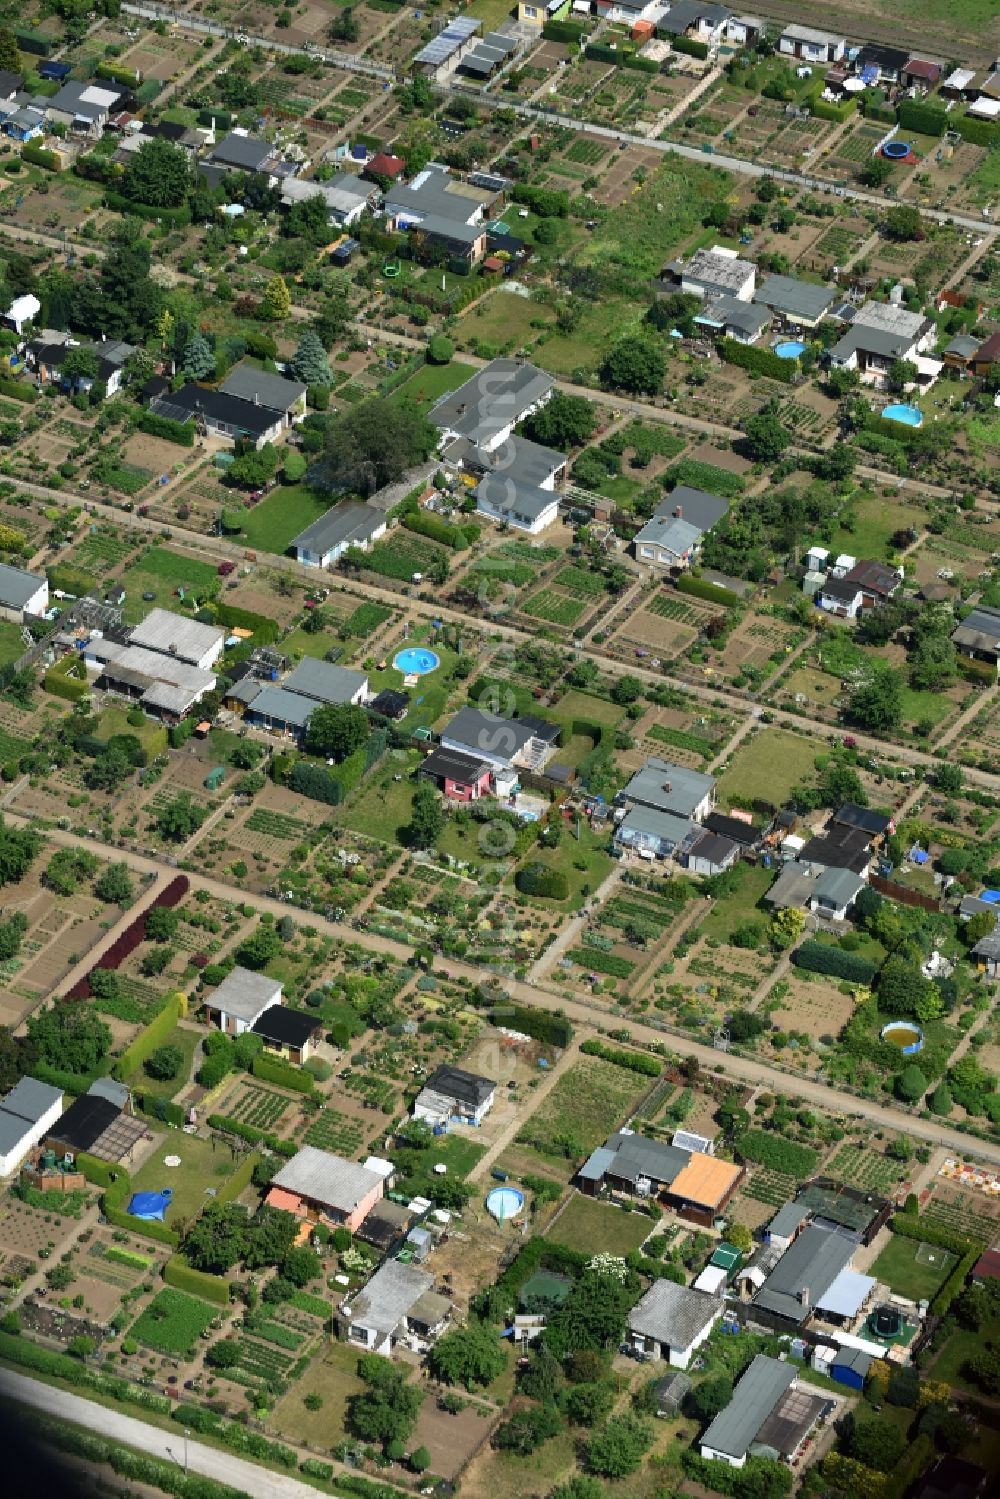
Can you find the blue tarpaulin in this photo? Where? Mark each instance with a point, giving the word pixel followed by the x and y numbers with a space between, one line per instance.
pixel 918 855
pixel 992 897
pixel 150 1206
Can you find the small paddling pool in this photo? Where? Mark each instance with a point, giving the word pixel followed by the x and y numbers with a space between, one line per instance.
pixel 504 1203
pixel 416 662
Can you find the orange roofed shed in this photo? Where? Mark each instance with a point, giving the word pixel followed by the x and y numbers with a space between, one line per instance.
pixel 703 1188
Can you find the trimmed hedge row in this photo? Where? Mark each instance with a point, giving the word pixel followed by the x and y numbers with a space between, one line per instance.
pixel 252 1134
pixel 59 684
pixel 538 879
pixel 563 31
pixel 17 1350
pixel 689 45
pixel 98 1173
pixel 436 529
pixel 38 156
pixel 125 205
pixel 315 782
pixel 240 1179
pixel 977 132
pixel 119 73
pixel 757 361
pixel 634 1061
pixel 909 1226
pixel 181 433
pixel 233 1434
pixel 17 390
pixel 154 1035
pixel 701 588
pixel 818 957
pixel 924 118
pixel 35 42
pixel 272 1070
pixel 954 1284
pixel 183 1277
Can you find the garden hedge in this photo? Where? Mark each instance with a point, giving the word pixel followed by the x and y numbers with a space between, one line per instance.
pixel 436 529
pixel 757 361
pixel 119 73
pixel 118 201
pixel 824 110
pixel 689 45
pixel 71 689
pixel 263 628
pixel 563 31
pixel 164 426
pixel 98 1173
pixel 701 588
pixel 240 1179
pixel 183 1277
pixel 17 1350
pixel 634 1061
pixel 38 156
pixel 35 42
pixel 955 1283
pixel 821 957
pixel 272 1070
pixel 161 1474
pixel 909 1227
pixel 924 118
pixel 759 1478
pixel 154 1035
pixel 252 1134
pixel 17 390
pixel 977 132
pixel 315 782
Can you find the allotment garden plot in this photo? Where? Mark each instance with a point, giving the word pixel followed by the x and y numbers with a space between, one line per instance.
pixel 666 624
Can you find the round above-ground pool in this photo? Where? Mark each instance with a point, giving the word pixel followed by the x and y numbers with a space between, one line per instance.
pixel 415 661
pixel 790 349
pixel 896 150
pixel 910 416
pixel 504 1203
pixel 905 1034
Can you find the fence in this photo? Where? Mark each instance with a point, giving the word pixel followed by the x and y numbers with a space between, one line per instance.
pixel 903 893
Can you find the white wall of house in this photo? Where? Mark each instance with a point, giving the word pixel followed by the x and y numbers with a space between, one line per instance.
pixel 714 1455
pixel 33 1135
pixel 532 525
pixel 36 605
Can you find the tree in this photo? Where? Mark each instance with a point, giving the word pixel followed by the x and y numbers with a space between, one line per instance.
pixel 468 1355
pixel 740 1237
pixel 270 1240
pixel 933 664
pixel 617 1449
pixel 440 349
pixel 81 1346
pixel 564 422
pixel 635 364
pixel 876 1443
pixel 902 222
pixel 21 688
pixel 301 1265
pixel 125 300
pixel 336 730
pixel 179 819
pixel 708 1398
pixel 940 1102
pixel 225 1354
pixel 164 1063
pixel 276 303
pixel 841 783
pixel 11 935
pixel 587 1404
pixel 876 700
pixel 10 57
pixel 627 690
pixel 593 1315
pixel 309 362
pixel 427 816
pixel 386 1409
pixel 66 869
pixel 162 923
pixel 218 1238
pixel 70 1037
pixel 109 770
pixel 254 468
pixel 526 1430
pixel 344 26
pixel 766 438
pixel 114 885
pixel 158 175
pixel 876 171
pixel 18 847
pixel 902 372
pixel 910 1085
pixel 257 950
pixel 198 358
pixel 580 1486
pixel 373 443
pixel 787 927
pixel 900 986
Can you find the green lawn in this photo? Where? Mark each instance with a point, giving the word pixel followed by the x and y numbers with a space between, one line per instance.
pixel 11 644
pixel 591 851
pixel 187 571
pixel 428 699
pixel 921 706
pixel 431 381
pixel 151 735
pixel 586 708
pixel 456 1152
pixel 900 1269
pixel 875 521
pixel 381 809
pixel 600 325
pixel 731 911
pixel 587 1104
pixel 201 1167
pixel 596 1228
pixel 334 1378
pixel 187 1041
pixel 503 319
pixel 768 768
pixel 173 1322
pixel 961 1347
pixel 281 515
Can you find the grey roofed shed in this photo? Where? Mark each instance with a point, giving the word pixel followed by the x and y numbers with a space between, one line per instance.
pixel 979 630
pixel 111 1089
pixel 341 524
pixel 244 152
pixel 963 346
pixel 805 1273
pixel 244 994
pixel 17 586
pixel 326 1178
pixel 837 887
pixel 493 398
pixel 387 1298
pixel 668 787
pixel 786 1221
pixel 595 1168
pixel 754 1398
pixel 636 1156
pixel 280 706
pixel 792 297
pixel 323 682
pixel 275 391
pixel 650 822
pixel 31 1099
pixel 684 13
pixel 175 635
pixel 672 1314
pixel 674 534
pixel 723 312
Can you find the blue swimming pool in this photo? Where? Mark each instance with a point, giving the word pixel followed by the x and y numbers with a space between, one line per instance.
pixel 900 412
pixel 790 349
pixel 416 662
pixel 504 1203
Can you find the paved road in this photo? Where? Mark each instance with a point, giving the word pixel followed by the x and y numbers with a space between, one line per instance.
pixel 752 1070
pixel 224 1467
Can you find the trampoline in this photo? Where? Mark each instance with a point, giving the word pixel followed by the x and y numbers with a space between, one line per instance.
pixel 504 1202
pixel 150 1207
pixel 910 416
pixel 896 150
pixel 790 349
pixel 416 662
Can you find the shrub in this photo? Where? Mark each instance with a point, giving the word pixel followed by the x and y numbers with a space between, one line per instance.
pixel 758 361
pixel 634 1061
pixel 540 880
pixel 38 156
pixel 821 957
pixel 181 433
pixel 154 1036
pixel 701 588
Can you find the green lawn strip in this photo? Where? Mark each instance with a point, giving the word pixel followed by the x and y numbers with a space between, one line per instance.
pixel 899 1268
pixel 432 381
pixel 768 768
pixel 141 1082
pixel 273 522
pixel 730 911
pixel 596 1227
